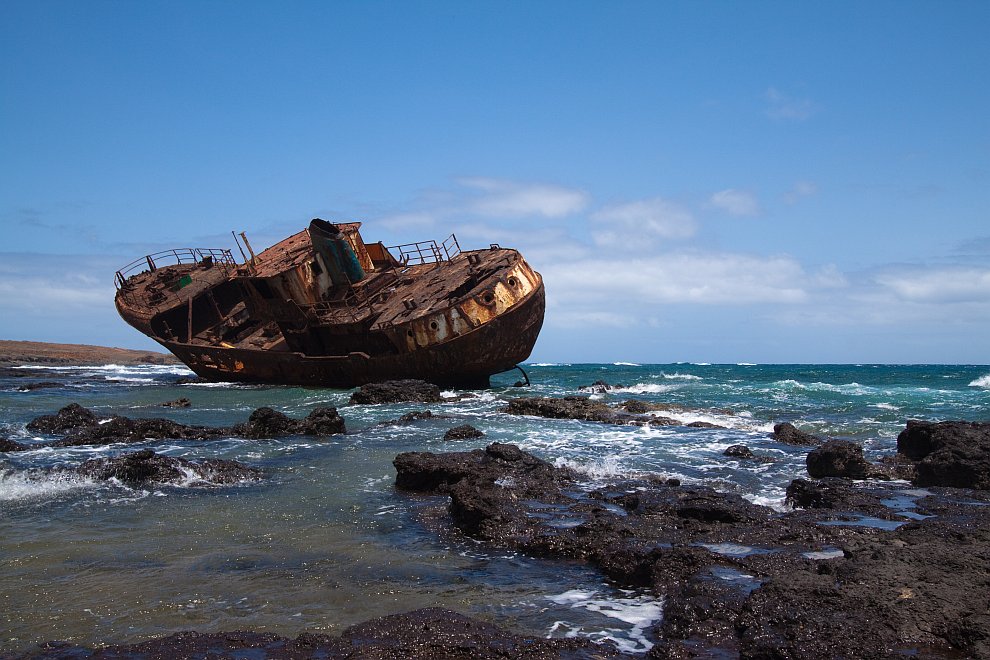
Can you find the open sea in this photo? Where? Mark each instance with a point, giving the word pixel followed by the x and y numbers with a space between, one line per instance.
pixel 324 540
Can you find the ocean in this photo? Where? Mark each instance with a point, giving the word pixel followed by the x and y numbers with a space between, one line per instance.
pixel 324 540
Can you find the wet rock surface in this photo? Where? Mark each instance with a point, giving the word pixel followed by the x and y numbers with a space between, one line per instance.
pixel 41 385
pixel 10 445
pixel 740 579
pixel 82 427
pixel 423 634
pixel 268 423
pixel 463 432
pixel 789 434
pixel 397 391
pixel 582 408
pixel 839 458
pixel 178 403
pixel 145 466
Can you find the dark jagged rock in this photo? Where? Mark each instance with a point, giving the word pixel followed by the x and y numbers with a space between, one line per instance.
pixel 190 380
pixel 431 473
pixel 322 422
pixel 953 454
pixel 124 429
pixel 45 384
pixel 840 458
pixel 268 423
pixel 463 432
pixel 415 416
pixel 146 466
pixel 739 451
pixel 178 403
pixel 397 391
pixel 636 407
pixel 9 445
pixel 83 428
pixel 734 575
pixel 598 387
pixel 788 434
pixel 703 425
pixel 578 407
pixel 835 493
pixel 69 418
pixel 424 634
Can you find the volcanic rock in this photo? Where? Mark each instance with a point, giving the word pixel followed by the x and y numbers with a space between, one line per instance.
pixel 463 432
pixel 178 403
pixel 146 466
pixel 948 453
pixel 790 435
pixel 397 391
pixel 10 445
pixel 424 634
pixel 739 451
pixel 839 458
pixel 45 384
pixel 69 418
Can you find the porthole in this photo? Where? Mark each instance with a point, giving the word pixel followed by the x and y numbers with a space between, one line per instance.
pixel 434 326
pixel 409 333
pixel 489 297
pixel 513 282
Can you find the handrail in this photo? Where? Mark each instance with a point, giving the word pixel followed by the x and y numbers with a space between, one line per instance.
pixel 153 262
pixel 427 252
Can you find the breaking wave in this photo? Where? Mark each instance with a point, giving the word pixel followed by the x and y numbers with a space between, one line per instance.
pixel 982 381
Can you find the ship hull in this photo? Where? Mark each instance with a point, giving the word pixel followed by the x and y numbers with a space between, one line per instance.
pixel 466 361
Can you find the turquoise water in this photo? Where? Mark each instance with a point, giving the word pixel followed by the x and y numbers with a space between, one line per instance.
pixel 325 541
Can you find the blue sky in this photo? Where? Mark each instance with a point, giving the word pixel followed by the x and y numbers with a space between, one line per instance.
pixel 697 181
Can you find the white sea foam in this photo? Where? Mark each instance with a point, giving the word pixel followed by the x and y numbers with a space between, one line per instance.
pixel 885 406
pixel 702 364
pixel 640 612
pixel 679 376
pixel 39 486
pixel 745 364
pixel 982 381
pixel 646 388
pixel 604 468
pixel 626 364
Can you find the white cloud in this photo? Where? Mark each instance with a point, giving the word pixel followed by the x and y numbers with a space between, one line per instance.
pixel 501 199
pixel 580 319
pixel 786 107
pixel 943 285
pixel 707 279
pixel 736 202
pixel 799 190
pixel 648 218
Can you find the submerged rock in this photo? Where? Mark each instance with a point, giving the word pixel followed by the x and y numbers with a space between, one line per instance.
pixel 178 403
pixel 146 466
pixel 10 445
pixel 463 432
pixel 397 391
pixel 45 384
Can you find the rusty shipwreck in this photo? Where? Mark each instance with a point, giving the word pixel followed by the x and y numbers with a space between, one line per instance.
pixel 324 308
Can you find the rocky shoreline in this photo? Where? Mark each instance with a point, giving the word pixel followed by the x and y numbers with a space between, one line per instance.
pixel 44 353
pixel 877 560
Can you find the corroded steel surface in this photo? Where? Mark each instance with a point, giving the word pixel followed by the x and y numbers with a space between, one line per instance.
pixel 292 315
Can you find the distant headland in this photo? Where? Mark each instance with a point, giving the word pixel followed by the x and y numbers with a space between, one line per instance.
pixel 36 352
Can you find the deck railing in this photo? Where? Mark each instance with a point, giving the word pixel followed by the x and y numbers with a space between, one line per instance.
pixel 427 252
pixel 153 262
